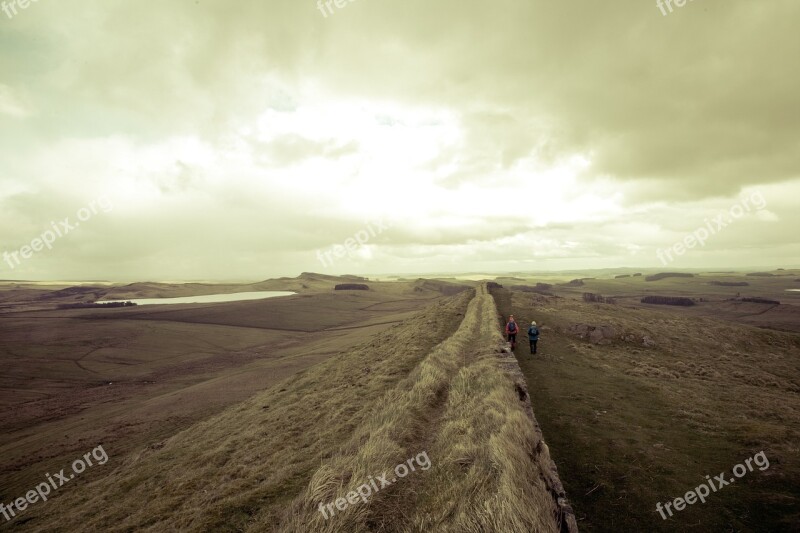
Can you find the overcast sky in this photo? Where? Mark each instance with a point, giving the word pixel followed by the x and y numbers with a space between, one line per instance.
pixel 244 140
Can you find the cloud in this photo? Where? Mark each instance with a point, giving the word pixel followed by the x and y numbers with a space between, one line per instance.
pixel 11 104
pixel 505 134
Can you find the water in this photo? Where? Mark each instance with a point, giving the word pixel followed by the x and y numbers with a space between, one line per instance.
pixel 208 298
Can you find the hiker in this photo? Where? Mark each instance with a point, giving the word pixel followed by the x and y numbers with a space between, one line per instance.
pixel 533 336
pixel 511 331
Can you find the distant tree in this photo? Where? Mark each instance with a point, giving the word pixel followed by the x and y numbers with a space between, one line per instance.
pixel 597 298
pixel 757 300
pixel 351 287
pixel 668 300
pixel 95 305
pixel 663 275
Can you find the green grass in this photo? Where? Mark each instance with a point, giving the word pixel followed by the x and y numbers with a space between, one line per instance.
pixel 630 426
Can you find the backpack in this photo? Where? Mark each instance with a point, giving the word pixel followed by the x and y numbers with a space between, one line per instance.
pixel 512 327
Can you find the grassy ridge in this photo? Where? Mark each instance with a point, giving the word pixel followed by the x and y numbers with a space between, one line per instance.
pixel 437 383
pixel 245 465
pixel 78 378
pixel 461 407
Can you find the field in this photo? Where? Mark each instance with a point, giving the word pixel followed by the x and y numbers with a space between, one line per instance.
pixel 255 415
pixel 439 384
pixel 132 377
pixel 642 411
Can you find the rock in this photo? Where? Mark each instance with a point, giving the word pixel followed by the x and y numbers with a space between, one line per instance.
pixel 580 330
pixel 596 336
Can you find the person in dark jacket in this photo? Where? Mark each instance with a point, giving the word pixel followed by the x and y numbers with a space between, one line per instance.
pixel 511 331
pixel 533 336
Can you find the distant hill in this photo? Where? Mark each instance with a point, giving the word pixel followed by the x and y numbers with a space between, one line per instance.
pixel 445 287
pixel 664 275
pixel 313 276
pixel 75 292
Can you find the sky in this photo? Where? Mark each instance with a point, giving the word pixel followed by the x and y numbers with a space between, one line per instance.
pixel 215 140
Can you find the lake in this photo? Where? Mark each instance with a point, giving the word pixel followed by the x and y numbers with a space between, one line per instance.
pixel 207 298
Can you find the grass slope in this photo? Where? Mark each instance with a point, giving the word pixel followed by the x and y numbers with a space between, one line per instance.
pixel 635 425
pixel 73 378
pixel 434 383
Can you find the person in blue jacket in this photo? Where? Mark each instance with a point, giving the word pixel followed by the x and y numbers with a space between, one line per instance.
pixel 533 336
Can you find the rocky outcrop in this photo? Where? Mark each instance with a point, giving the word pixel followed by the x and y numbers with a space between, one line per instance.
pixel 605 334
pixel 596 334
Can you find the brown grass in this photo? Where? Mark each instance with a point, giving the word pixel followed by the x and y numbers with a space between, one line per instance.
pixel 266 464
pixel 74 379
pixel 460 407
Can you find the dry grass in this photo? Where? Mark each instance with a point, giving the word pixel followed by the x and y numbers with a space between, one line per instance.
pixel 493 461
pixel 462 408
pixel 267 464
pixel 74 379
pixel 252 459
